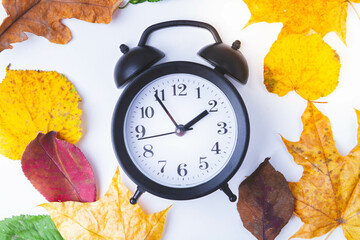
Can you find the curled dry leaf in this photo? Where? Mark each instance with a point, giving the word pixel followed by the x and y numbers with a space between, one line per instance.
pixel 43 18
pixel 305 64
pixel 36 101
pixel 328 193
pixel 58 170
pixel 302 17
pixel 112 217
pixel 265 202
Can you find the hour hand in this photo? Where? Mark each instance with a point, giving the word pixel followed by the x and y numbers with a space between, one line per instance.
pixel 165 109
pixel 196 119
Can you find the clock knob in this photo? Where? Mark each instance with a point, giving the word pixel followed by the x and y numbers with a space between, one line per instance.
pixel 226 59
pixel 134 62
pixel 229 193
pixel 136 196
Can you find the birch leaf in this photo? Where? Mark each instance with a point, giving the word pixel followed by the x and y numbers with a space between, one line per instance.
pixel 305 64
pixel 33 102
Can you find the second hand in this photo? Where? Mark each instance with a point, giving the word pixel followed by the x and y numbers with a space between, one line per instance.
pixel 160 135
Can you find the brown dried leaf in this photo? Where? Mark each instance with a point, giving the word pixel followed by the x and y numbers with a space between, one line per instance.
pixel 265 202
pixel 43 18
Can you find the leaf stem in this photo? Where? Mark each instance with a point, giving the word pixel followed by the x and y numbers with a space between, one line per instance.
pixel 353 7
pixel 332 230
pixel 122 7
pixel 318 102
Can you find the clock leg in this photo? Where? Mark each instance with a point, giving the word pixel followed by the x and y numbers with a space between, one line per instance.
pixel 225 188
pixel 136 196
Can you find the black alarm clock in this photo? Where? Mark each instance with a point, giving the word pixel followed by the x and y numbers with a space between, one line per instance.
pixel 180 129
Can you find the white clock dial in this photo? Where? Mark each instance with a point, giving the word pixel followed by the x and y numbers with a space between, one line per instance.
pixel 176 157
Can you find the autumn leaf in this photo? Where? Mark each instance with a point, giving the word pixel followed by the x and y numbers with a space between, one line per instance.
pixel 36 101
pixel 328 193
pixel 29 227
pixel 58 170
pixel 265 202
pixel 302 17
pixel 111 217
pixel 43 18
pixel 305 64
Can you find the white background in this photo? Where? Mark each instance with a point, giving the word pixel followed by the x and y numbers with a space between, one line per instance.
pixel 88 61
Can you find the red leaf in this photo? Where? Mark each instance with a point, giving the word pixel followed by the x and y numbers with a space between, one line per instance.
pixel 58 170
pixel 265 202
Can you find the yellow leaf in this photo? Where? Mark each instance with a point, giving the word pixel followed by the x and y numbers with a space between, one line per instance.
pixel 328 193
pixel 111 217
pixel 36 101
pixel 299 16
pixel 305 64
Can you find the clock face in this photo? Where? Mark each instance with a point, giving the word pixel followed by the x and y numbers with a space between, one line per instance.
pixel 180 130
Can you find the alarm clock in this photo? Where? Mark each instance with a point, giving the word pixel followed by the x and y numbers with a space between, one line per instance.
pixel 180 129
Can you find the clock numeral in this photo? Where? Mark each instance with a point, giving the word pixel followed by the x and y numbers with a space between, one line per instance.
pixel 213 105
pixel 203 164
pixel 160 94
pixel 164 162
pixel 181 87
pixel 216 148
pixel 181 170
pixel 223 130
pixel 140 129
pixel 148 151
pixel 147 112
pixel 198 92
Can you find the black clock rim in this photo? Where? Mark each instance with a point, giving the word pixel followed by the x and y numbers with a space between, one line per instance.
pixel 224 175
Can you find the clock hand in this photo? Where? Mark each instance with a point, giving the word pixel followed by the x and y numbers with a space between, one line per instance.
pixel 195 120
pixel 160 135
pixel 165 109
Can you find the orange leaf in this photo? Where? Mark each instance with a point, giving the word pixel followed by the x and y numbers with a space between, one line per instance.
pixel 33 102
pixel 305 64
pixel 43 18
pixel 328 194
pixel 111 217
pixel 298 16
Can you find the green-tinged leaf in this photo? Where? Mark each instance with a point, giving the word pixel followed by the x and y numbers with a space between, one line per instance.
pixel 137 1
pixel 141 1
pixel 29 227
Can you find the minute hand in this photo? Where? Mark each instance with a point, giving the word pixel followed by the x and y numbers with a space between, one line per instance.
pixel 196 119
pixel 166 111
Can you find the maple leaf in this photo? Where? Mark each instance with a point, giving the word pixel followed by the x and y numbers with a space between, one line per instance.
pixel 111 217
pixel 328 193
pixel 58 170
pixel 43 18
pixel 305 64
pixel 36 101
pixel 265 202
pixel 298 16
